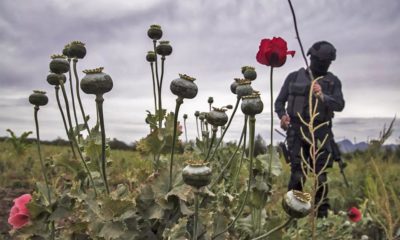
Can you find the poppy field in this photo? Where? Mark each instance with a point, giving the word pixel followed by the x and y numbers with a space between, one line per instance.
pixel 170 187
pixel 131 175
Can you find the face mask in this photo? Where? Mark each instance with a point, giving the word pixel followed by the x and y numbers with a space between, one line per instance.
pixel 319 67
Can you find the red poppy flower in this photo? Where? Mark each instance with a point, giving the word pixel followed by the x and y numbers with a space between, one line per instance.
pixel 19 214
pixel 273 52
pixel 354 214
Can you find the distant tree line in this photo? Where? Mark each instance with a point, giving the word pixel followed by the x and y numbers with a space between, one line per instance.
pixel 114 144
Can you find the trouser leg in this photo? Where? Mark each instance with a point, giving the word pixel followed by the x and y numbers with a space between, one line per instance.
pixel 321 196
pixel 294 140
pixel 297 178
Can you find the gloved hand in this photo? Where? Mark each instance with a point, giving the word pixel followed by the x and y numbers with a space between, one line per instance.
pixel 285 122
pixel 317 90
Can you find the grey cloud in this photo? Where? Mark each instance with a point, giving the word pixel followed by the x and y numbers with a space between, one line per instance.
pixel 211 41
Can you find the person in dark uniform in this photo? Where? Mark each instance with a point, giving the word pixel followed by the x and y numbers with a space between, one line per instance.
pixel 293 100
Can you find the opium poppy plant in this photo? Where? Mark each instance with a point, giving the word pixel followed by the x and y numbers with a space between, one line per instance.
pixel 273 52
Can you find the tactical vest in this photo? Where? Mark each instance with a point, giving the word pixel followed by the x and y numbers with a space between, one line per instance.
pixel 298 96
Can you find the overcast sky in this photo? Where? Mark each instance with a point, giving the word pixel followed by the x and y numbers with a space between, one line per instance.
pixel 212 40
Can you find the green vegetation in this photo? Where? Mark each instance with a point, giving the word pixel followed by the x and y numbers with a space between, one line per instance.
pixel 373 177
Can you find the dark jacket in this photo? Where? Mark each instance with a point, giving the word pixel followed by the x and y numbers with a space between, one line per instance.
pixel 293 96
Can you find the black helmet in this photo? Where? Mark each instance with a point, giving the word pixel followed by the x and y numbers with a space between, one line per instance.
pixel 323 50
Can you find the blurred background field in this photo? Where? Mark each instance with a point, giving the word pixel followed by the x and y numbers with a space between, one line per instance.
pixel 373 175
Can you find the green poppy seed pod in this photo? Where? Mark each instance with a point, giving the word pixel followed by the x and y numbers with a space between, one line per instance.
pixel 250 73
pixel 65 51
pixel 184 87
pixel 154 32
pixel 59 64
pixel 217 117
pixel 210 100
pixel 151 56
pixel 197 113
pixel 185 116
pixel 244 88
pixel 164 49
pixel 252 104
pixel 297 204
pixel 54 78
pixel 38 98
pixel 196 174
pixel 243 69
pixel 202 116
pixel 234 85
pixel 96 82
pixel 77 49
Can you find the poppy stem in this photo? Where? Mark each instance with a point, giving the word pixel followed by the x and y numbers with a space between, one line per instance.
pixel 214 135
pixel 99 102
pixel 202 129
pixel 221 174
pixel 179 102
pixel 184 123
pixel 43 167
pixel 243 152
pixel 160 109
pixel 196 213
pixel 57 88
pixel 197 127
pixel 158 88
pixel 226 128
pixel 40 154
pixel 154 87
pixel 72 93
pixel 272 125
pixel 79 95
pixel 72 136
